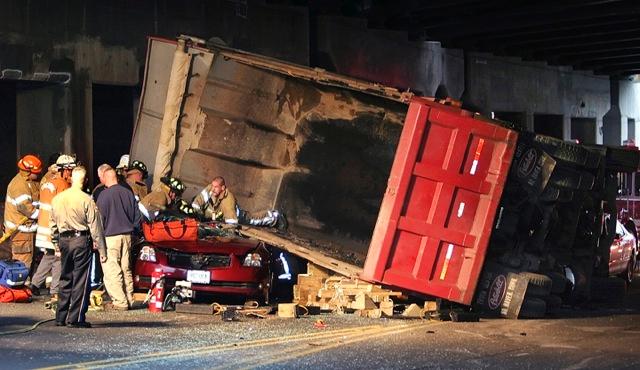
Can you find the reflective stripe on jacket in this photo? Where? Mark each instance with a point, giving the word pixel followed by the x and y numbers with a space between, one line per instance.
pixel 21 201
pixel 48 191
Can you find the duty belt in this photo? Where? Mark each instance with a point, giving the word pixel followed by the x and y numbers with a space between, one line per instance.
pixel 73 233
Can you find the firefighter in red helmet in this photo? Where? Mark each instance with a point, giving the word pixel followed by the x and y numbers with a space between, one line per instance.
pixel 21 208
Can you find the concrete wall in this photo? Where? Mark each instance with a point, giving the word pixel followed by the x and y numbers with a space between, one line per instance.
pixel 347 46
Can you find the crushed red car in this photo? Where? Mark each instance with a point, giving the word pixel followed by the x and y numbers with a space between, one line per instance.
pixel 217 265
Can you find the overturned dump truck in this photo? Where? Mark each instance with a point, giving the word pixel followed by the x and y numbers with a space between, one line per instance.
pixel 442 201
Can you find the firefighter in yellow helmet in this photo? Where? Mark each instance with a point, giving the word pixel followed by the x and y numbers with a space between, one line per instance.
pixel 21 208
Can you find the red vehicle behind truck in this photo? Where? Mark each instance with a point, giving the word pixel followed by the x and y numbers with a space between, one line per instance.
pixel 445 202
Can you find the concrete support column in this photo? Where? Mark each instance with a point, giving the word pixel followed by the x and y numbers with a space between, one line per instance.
pixel 82 126
pixel 612 127
pixel 612 120
pixel 566 127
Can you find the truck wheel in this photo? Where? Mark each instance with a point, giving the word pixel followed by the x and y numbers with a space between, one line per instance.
pixel 566 178
pixel 609 290
pixel 564 151
pixel 532 308
pixel 553 302
pixel 558 282
pixel 539 285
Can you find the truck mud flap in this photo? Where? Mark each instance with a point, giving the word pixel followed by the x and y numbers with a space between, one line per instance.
pixel 531 167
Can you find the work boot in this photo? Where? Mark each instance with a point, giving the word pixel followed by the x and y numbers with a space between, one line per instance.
pixel 110 306
pixel 281 223
pixel 35 291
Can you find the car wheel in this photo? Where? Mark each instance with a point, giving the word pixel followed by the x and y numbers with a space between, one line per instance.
pixel 627 275
pixel 539 285
pixel 532 308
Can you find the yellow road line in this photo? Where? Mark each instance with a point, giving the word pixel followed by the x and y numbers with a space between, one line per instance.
pixel 199 350
pixel 236 346
pixel 298 352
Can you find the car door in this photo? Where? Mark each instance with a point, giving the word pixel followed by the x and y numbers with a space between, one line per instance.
pixel 617 249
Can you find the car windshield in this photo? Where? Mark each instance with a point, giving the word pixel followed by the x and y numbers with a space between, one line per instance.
pixel 214 230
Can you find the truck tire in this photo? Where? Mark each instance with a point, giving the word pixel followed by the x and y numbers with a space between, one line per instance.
pixel 559 282
pixel 532 308
pixel 622 160
pixel 609 290
pixel 553 302
pixel 539 285
pixel 564 177
pixel 567 152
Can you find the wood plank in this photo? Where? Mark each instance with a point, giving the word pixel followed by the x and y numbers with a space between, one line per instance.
pixel 318 258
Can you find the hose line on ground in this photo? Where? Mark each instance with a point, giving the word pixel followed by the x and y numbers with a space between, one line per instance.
pixel 25 330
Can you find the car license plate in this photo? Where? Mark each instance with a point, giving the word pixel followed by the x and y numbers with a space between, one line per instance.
pixel 199 276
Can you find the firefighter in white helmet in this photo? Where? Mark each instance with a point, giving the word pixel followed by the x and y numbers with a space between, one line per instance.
pixel 21 208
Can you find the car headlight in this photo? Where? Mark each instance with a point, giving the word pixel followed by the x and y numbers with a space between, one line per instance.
pixel 252 260
pixel 147 253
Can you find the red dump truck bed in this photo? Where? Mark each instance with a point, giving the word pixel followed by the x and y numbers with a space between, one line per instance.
pixel 437 213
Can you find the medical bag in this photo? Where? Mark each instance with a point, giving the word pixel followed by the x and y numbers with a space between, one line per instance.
pixel 13 273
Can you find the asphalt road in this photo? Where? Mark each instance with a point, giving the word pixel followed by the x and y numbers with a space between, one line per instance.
pixel 594 338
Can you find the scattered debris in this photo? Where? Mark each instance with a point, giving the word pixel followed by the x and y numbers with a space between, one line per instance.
pixel 414 311
pixel 338 294
pixel 287 310
pixel 319 324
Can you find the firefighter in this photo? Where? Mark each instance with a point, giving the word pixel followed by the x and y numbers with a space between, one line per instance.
pixel 216 202
pixel 52 168
pixel 159 200
pixel 21 208
pixel 136 175
pixel 75 221
pixel 50 262
pixel 122 167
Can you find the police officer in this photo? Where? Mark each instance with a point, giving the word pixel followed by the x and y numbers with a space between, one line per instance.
pixel 21 208
pixel 160 199
pixel 74 219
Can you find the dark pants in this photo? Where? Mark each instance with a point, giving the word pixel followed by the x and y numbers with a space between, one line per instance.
pixel 74 291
